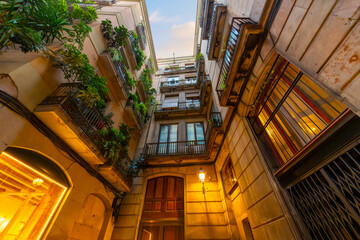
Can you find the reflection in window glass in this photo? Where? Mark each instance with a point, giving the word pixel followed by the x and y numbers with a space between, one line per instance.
pixel 291 110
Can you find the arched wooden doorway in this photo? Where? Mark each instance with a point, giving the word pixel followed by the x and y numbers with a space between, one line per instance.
pixel 163 212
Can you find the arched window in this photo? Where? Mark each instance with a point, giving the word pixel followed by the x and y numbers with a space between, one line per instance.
pixel 31 189
pixel 163 212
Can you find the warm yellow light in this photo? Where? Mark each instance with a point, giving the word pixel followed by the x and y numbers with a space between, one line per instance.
pixel 37 181
pixel 49 179
pixel 201 174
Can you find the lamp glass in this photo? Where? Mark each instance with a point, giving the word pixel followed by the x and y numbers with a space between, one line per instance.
pixel 201 175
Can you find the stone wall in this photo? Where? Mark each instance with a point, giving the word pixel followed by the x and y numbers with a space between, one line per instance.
pixel 257 196
pixel 205 215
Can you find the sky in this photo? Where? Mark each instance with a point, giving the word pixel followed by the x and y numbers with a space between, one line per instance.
pixel 173 26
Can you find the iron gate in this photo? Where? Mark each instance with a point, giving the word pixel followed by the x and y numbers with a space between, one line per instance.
pixel 329 199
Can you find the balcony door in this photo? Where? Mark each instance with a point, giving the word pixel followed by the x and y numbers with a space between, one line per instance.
pixel 195 138
pixel 168 139
pixel 163 212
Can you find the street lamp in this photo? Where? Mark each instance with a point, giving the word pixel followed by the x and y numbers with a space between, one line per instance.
pixel 201 175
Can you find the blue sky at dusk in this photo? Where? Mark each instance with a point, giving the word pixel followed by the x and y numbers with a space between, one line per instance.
pixel 173 26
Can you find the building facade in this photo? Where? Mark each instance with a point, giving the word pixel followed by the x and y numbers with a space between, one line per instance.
pixel 255 136
pixel 58 177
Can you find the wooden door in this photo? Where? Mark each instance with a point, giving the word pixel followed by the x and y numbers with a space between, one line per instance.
pixel 163 212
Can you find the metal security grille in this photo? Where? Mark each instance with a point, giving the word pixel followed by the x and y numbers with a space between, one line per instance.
pixel 329 199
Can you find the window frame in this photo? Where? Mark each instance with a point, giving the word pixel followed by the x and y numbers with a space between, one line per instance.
pixel 228 164
pixel 286 91
pixel 195 134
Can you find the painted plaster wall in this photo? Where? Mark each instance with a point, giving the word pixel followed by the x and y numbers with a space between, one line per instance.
pixel 205 216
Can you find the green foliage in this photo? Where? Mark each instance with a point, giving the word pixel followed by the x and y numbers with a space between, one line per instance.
pixel 34 24
pixel 87 16
pixel 140 108
pixel 79 34
pixel 133 169
pixel 116 36
pixel 200 56
pixel 139 54
pixel 31 24
pixel 150 63
pixel 76 68
pixel 116 142
pixel 130 81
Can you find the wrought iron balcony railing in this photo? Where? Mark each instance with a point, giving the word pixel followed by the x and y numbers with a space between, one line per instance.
pixel 122 75
pixel 135 45
pixel 175 148
pixel 88 119
pixel 140 30
pixel 231 46
pixel 179 69
pixel 138 117
pixel 178 106
pixel 215 119
pixel 180 82
pixel 216 28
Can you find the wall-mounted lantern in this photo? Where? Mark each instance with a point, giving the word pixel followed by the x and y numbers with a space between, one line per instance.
pixel 201 175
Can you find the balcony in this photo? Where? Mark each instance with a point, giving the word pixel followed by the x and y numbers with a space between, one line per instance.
pixel 116 74
pixel 206 18
pixel 135 116
pixel 241 46
pixel 130 53
pixel 180 84
pixel 179 69
pixel 79 126
pixel 214 134
pixel 218 20
pixel 140 31
pixel 179 106
pixel 200 68
pixel 179 148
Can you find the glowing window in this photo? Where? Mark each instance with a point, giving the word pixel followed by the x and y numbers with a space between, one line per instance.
pixel 28 199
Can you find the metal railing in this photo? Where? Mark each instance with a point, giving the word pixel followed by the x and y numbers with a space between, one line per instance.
pixel 142 35
pixel 175 148
pixel 122 75
pixel 182 68
pixel 134 45
pixel 178 106
pixel 138 116
pixel 212 26
pixel 180 82
pixel 231 46
pixel 88 119
pixel 215 119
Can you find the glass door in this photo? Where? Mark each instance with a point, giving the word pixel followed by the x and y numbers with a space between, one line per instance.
pixel 195 138
pixel 168 139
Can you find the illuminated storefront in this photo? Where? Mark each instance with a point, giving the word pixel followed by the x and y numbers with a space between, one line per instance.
pixel 31 190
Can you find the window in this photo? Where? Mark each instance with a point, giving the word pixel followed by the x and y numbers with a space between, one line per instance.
pixel 195 138
pixel 171 101
pixel 291 110
pixel 168 139
pixel 228 176
pixel 195 132
pixel 31 187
